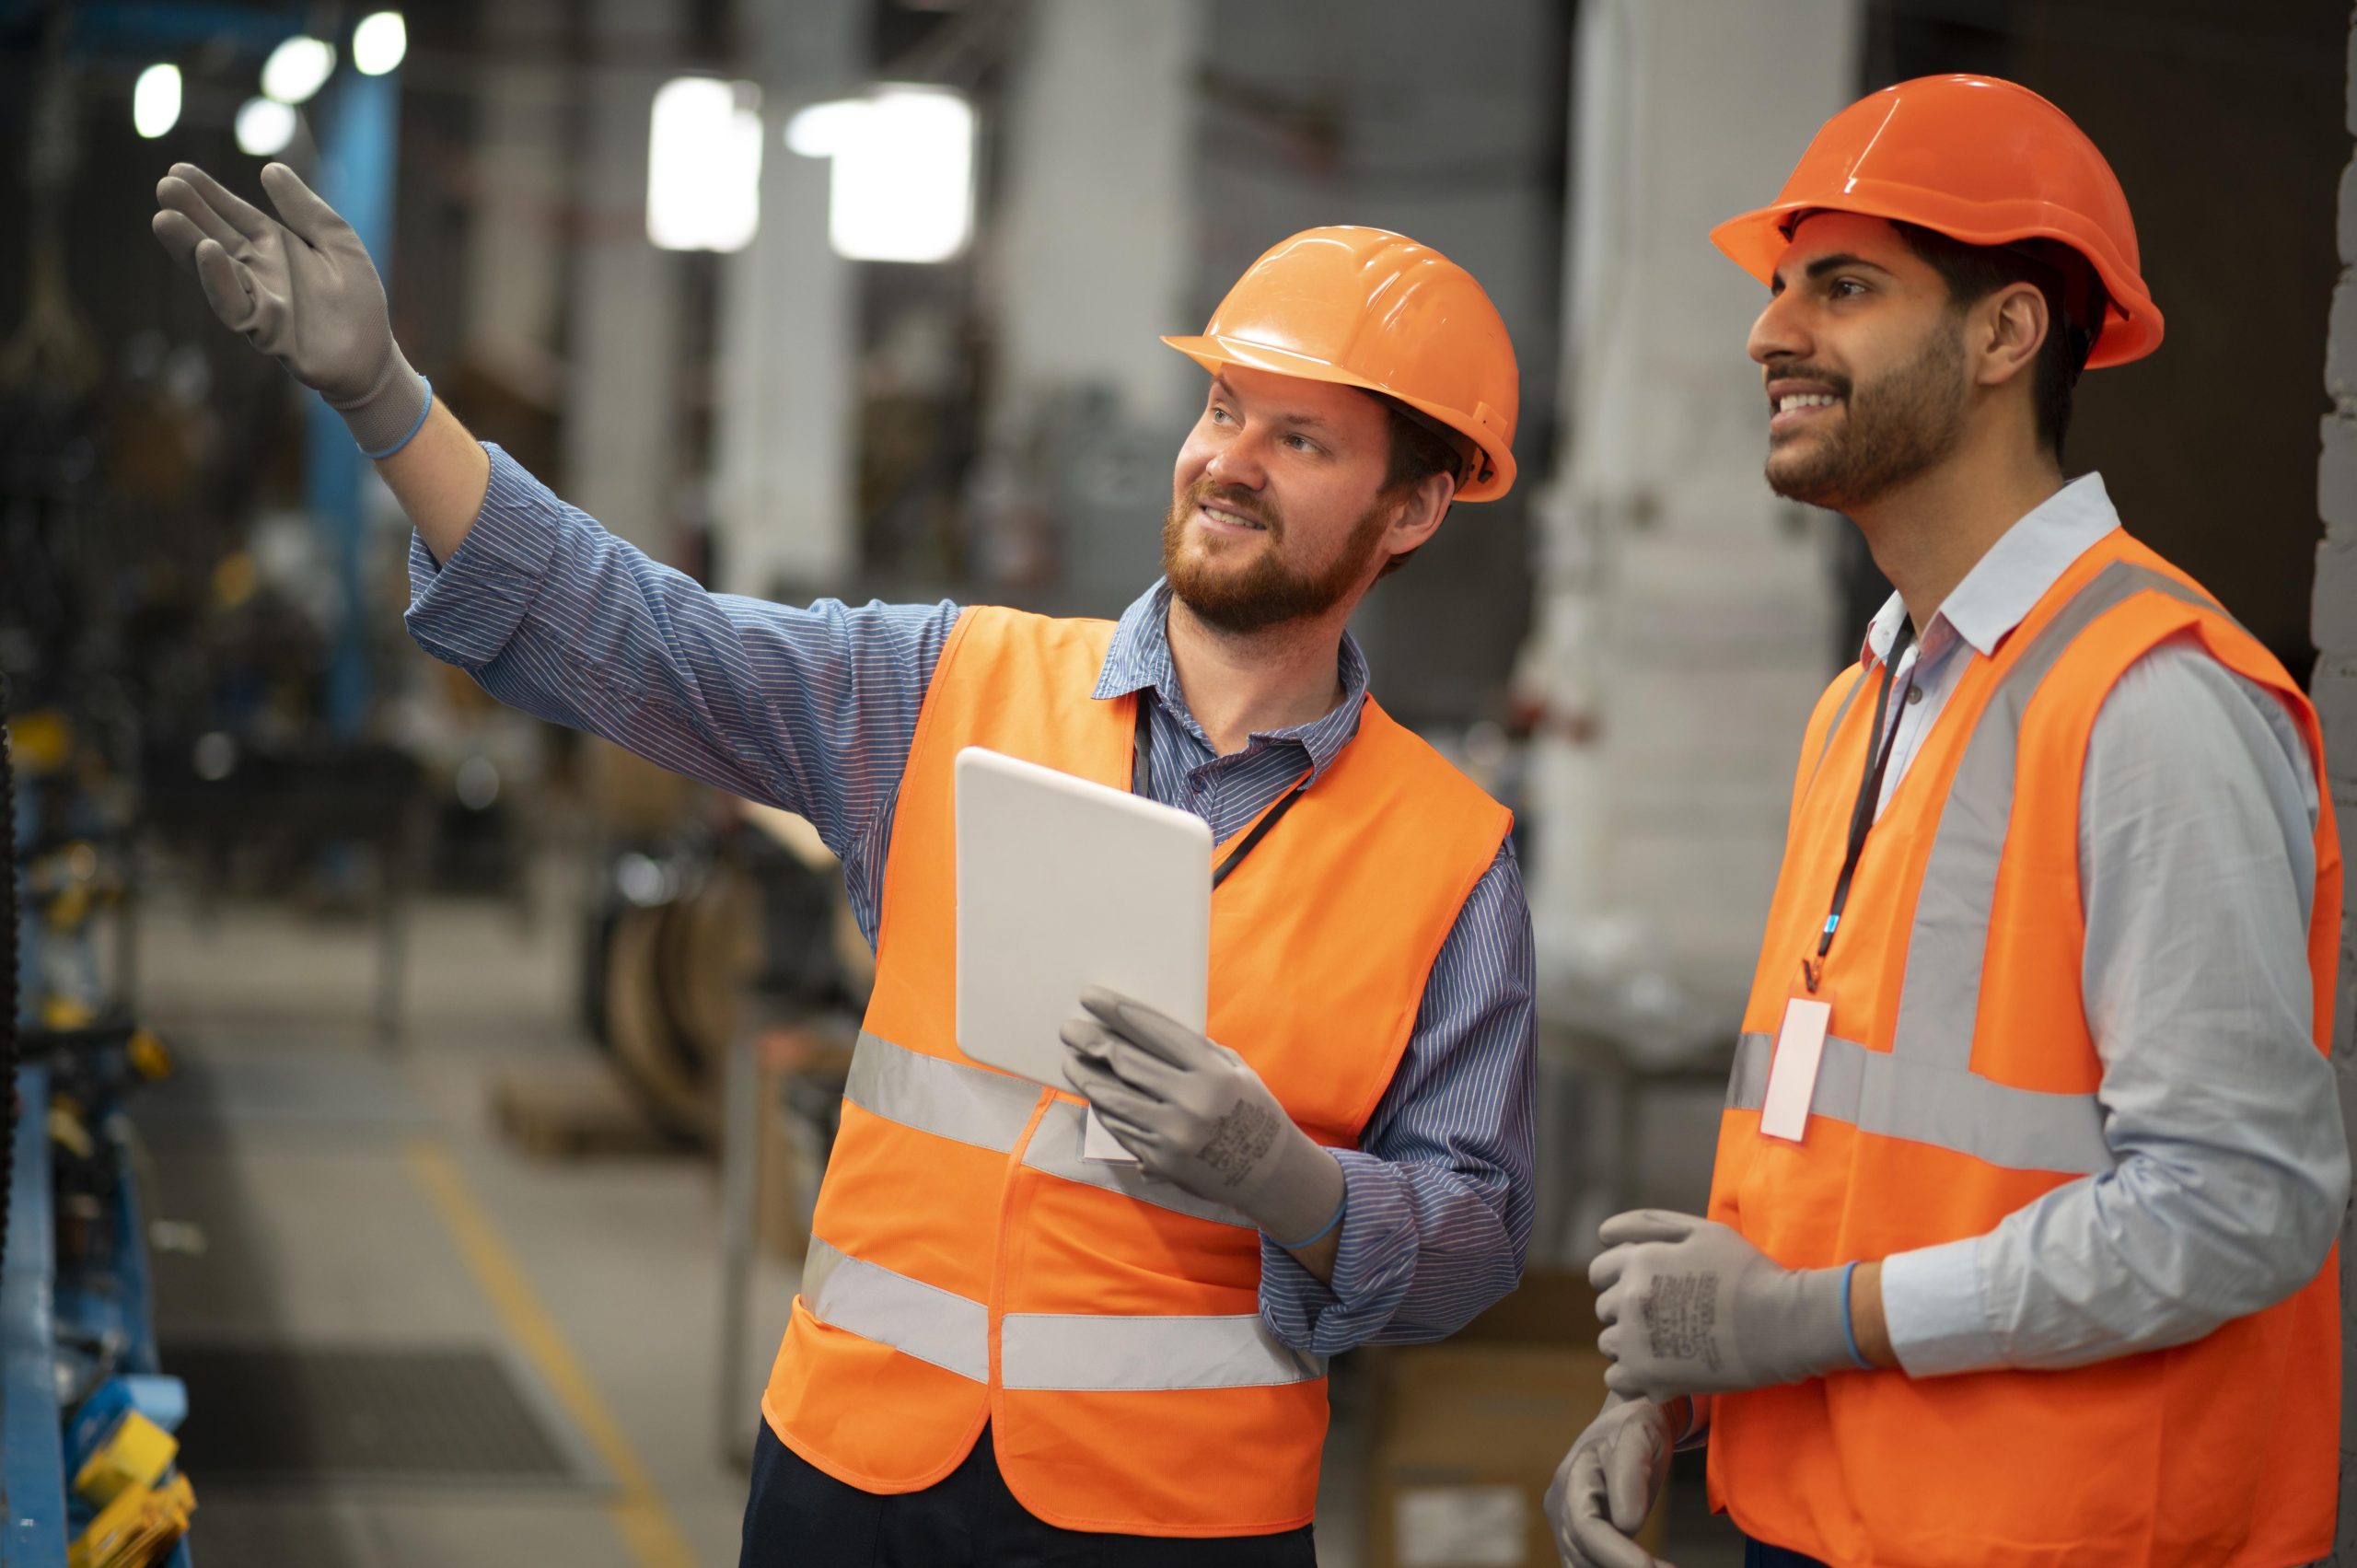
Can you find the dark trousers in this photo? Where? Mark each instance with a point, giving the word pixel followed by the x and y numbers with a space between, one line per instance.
pixel 799 1516
pixel 1757 1554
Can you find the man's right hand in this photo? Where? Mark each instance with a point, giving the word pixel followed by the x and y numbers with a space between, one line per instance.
pixel 1608 1483
pixel 302 291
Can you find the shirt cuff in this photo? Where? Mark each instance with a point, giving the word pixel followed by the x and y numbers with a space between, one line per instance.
pixel 1931 1304
pixel 1373 1264
pixel 464 610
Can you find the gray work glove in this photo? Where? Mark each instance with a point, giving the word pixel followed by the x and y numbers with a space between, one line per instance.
pixel 303 291
pixel 1608 1483
pixel 1689 1306
pixel 1197 1116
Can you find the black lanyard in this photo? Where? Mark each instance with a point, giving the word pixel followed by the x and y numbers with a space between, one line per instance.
pixel 1862 812
pixel 1141 783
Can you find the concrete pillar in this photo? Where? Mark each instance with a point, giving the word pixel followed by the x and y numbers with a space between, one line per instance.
pixel 1683 609
pixel 516 258
pixel 1093 260
pixel 2335 690
pixel 1096 260
pixel 620 455
pixel 785 440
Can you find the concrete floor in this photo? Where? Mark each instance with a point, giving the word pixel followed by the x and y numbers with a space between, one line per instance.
pixel 350 1194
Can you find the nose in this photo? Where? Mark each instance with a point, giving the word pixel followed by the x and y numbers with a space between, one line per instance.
pixel 1781 331
pixel 1236 464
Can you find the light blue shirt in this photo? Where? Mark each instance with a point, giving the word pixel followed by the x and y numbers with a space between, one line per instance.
pixel 814 710
pixel 2197 864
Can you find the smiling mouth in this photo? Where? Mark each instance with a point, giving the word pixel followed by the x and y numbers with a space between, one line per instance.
pixel 1794 410
pixel 1227 518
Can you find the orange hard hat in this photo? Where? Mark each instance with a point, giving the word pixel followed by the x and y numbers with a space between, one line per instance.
pixel 1980 160
pixel 1369 308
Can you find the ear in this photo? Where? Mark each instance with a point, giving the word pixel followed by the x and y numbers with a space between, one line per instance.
pixel 1420 513
pixel 2009 328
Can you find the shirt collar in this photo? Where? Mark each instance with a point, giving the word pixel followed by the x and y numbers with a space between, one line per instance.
pixel 1140 657
pixel 2007 582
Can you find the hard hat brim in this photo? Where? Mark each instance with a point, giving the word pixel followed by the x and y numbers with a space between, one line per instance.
pixel 1212 353
pixel 2132 323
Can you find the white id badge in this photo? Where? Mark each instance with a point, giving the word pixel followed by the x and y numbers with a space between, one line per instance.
pixel 1791 1075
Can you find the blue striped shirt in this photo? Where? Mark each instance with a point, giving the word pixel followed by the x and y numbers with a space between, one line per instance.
pixel 814 710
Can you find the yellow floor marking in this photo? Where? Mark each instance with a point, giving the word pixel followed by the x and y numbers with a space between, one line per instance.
pixel 638 1511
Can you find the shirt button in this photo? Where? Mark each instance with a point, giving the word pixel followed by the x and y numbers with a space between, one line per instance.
pixel 1914 695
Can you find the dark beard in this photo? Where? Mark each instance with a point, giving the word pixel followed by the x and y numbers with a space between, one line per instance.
pixel 1895 429
pixel 1268 592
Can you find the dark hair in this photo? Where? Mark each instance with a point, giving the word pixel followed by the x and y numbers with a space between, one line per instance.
pixel 1973 272
pixel 1418 450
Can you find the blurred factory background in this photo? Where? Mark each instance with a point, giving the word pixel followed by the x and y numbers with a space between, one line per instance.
pixel 439 1095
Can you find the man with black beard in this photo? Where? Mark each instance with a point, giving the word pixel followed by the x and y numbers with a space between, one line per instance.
pixel 2018 1246
pixel 1003 1353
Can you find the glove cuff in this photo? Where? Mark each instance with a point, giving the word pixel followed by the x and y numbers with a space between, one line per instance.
pixel 383 418
pixel 1824 1308
pixel 1300 1198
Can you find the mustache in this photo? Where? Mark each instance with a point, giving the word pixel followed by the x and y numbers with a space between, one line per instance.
pixel 1241 501
pixel 1833 379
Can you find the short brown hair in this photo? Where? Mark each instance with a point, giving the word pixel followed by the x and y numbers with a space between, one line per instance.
pixel 1418 450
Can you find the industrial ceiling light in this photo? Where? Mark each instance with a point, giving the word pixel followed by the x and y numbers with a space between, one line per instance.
pixel 297 68
pixel 155 100
pixel 901 188
pixel 703 165
pixel 264 127
pixel 379 42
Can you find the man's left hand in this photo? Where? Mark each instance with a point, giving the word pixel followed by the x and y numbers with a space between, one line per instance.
pixel 1196 1115
pixel 1689 1306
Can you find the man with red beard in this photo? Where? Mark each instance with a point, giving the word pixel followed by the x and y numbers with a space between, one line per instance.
pixel 2018 1250
pixel 1002 1353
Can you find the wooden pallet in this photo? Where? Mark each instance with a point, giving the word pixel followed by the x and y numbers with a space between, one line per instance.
pixel 576 1112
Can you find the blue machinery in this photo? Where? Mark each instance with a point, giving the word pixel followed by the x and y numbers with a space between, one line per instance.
pixel 39 1314
pixel 43 1318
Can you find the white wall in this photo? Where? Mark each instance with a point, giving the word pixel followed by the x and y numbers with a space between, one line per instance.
pixel 785 439
pixel 1093 262
pixel 1685 612
pixel 514 263
pixel 621 451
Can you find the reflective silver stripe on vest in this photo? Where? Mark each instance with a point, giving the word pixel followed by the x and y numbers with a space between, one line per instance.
pixel 933 1094
pixel 1939 1000
pixel 1138 1355
pixel 1898 1098
pixel 916 1319
pixel 1046 1351
pixel 990 1110
pixel 1924 1090
pixel 1055 1149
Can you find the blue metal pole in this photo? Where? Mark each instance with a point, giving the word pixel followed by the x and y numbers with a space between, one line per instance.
pixel 358 131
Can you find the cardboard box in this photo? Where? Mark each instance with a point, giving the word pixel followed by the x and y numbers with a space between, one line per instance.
pixel 1470 1431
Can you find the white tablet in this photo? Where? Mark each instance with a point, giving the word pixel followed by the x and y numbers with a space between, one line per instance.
pixel 1062 883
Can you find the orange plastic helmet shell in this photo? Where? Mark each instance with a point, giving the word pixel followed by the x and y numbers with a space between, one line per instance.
pixel 1983 161
pixel 1366 307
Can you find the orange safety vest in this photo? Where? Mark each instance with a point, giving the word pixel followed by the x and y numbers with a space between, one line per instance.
pixel 967 1266
pixel 1958 1083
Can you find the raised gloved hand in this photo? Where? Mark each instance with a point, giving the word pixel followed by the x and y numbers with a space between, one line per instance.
pixel 303 292
pixel 1196 1115
pixel 1689 1306
pixel 1606 1486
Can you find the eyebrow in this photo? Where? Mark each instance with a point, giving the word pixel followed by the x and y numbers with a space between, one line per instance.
pixel 1835 263
pixel 1221 385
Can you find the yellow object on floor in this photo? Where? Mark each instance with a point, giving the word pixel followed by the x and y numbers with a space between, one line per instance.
pixel 137 1528
pixel 136 1452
